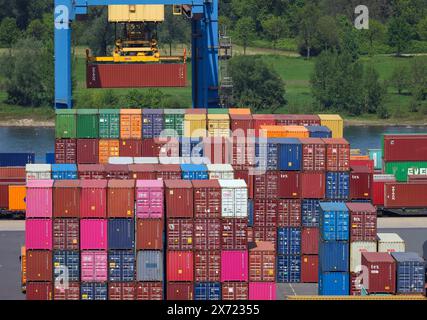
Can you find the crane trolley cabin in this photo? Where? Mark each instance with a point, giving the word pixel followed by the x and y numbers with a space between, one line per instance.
pixel 135 60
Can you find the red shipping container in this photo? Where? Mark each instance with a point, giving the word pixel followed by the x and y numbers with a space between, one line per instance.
pixel 149 291
pixel 142 172
pixel 207 234
pixel 361 183
pixel 136 75
pixel 381 269
pixel 289 185
pixel 121 291
pixel 313 154
pixel 65 151
pixel 207 266
pixel 180 266
pixel 297 120
pixel 355 284
pixel 242 152
pixel 207 198
pixel 117 171
pixel 130 148
pixel 266 185
pixel 363 222
pixel 249 179
pixel 262 262
pixel 149 234
pixel 180 291
pixel 4 192
pixel 166 147
pixel 363 163
pixel 217 149
pixel 180 234
pixel 265 212
pixel 337 154
pixel 405 147
pixel 147 147
pixel 234 234
pixel 310 269
pixel 39 265
pixel 39 291
pixel 168 171
pixel 12 172
pixel 288 213
pixel 405 195
pixel 261 120
pixel 240 124
pixel 121 198
pixel 87 151
pixel 66 199
pixel 379 182
pixel 265 234
pixel 91 171
pixel 310 241
pixel 66 234
pixel 235 291
pixel 250 234
pixel 93 199
pixel 417 178
pixel 179 199
pixel 72 292
pixel 312 185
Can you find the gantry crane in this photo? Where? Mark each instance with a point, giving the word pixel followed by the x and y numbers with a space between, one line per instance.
pixel 203 15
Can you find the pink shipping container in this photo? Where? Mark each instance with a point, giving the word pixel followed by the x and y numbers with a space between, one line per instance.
pixel 234 266
pixel 38 234
pixel 262 291
pixel 93 234
pixel 93 199
pixel 39 199
pixel 94 266
pixel 405 147
pixel 149 199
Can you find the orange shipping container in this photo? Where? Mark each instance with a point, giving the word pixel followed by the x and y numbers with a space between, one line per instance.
pixel 239 111
pixel 17 196
pixel 297 132
pixel 273 131
pixel 108 148
pixel 130 124
pixel 359 158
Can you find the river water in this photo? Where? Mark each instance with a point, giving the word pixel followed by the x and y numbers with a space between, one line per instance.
pixel 41 140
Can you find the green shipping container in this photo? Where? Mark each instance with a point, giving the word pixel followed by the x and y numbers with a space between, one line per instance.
pixel 109 123
pixel 66 123
pixel 174 120
pixel 218 111
pixel 87 123
pixel 377 156
pixel 401 170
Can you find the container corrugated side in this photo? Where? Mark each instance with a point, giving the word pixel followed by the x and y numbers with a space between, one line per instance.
pixel 149 265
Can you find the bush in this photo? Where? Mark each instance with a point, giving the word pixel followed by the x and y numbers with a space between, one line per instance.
pixel 382 112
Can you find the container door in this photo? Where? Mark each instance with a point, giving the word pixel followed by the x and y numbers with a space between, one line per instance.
pixel 241 202
pixel 228 206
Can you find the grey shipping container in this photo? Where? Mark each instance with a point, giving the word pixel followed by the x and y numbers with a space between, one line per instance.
pixel 149 266
pixel 410 269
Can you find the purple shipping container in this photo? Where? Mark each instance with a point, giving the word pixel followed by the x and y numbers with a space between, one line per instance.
pixel 39 199
pixel 234 266
pixel 94 266
pixel 262 291
pixel 149 199
pixel 38 234
pixel 93 234
pixel 152 123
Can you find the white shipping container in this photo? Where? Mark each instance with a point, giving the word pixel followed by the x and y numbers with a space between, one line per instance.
pixel 356 249
pixel 234 198
pixel 220 171
pixel 120 160
pixel 390 242
pixel 38 171
pixel 146 160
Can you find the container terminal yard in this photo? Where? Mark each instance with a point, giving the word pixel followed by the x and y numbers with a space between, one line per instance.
pixel 212 202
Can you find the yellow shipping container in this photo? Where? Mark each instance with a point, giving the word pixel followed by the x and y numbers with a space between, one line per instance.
pixel 17 199
pixel 296 132
pixel 355 152
pixel 334 122
pixel 108 148
pixel 273 131
pixel 218 125
pixel 195 125
pixel 136 13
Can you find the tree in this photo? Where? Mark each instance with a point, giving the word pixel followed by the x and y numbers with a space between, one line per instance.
pixel 376 32
pixel 307 31
pixel 399 34
pixel 349 38
pixel 400 78
pixel 174 30
pixel 422 29
pixel 274 28
pixel 328 32
pixel 244 32
pixel 256 84
pixel 100 33
pixel 37 30
pixel 418 80
pixel 9 32
pixel 374 91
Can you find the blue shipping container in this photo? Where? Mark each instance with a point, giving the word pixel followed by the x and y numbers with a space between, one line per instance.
pixel 190 147
pixel 66 262
pixel 334 256
pixel 50 158
pixel 319 132
pixel 250 213
pixel 288 268
pixel 121 234
pixel 310 213
pixel 121 266
pixel 207 291
pixel 337 185
pixel 93 291
pixel 194 172
pixel 410 269
pixel 267 153
pixel 64 172
pixel 334 284
pixel 290 155
pixel 288 241
pixel 16 159
pixel 334 221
